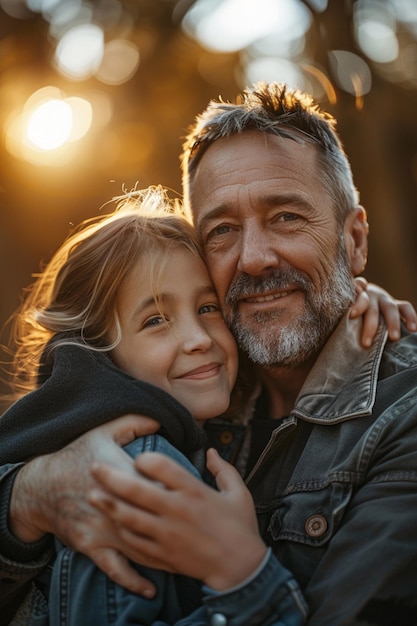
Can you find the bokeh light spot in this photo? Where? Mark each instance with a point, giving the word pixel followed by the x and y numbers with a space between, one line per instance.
pixel 80 51
pixel 120 62
pixel 66 13
pixel 50 124
pixel 47 123
pixel 232 25
pixel 350 72
pixel 378 41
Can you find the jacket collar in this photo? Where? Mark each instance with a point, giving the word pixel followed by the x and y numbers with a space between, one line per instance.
pixel 342 382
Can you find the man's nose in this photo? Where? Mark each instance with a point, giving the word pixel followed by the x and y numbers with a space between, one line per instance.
pixel 258 251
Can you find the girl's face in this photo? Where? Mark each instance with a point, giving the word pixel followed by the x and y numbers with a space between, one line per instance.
pixel 180 344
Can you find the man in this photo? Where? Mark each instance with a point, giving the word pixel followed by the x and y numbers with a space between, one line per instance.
pixel 335 488
pixel 271 192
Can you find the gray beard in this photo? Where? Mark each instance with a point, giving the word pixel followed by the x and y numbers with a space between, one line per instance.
pixel 264 341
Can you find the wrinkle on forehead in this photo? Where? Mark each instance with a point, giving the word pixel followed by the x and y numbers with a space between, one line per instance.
pixel 244 164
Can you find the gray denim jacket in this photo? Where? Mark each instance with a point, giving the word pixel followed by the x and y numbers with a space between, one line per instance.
pixel 339 509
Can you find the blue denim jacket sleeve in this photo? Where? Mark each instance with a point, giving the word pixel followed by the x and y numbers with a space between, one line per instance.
pixel 270 598
pixel 81 595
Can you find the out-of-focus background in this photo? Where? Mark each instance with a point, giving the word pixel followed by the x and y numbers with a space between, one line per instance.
pixel 96 96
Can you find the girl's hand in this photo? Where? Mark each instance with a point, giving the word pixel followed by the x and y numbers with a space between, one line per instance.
pixel 173 521
pixel 372 301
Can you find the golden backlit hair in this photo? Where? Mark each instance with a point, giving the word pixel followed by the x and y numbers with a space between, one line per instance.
pixel 74 298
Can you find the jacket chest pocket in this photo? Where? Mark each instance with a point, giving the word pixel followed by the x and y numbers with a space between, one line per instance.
pixel 304 523
pixel 310 517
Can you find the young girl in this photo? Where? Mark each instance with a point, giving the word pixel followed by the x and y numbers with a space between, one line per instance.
pixel 124 319
pixel 127 296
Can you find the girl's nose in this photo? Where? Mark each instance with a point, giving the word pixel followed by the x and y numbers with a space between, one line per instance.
pixel 197 338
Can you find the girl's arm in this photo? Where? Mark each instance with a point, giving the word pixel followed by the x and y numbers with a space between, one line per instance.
pixel 373 301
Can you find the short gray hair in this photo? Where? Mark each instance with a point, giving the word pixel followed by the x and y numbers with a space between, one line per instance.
pixel 274 108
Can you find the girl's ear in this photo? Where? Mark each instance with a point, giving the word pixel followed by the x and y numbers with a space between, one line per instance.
pixel 356 232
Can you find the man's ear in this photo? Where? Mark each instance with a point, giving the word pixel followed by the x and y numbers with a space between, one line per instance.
pixel 356 232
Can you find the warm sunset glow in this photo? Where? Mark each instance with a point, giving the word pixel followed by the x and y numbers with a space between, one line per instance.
pixel 50 125
pixel 42 131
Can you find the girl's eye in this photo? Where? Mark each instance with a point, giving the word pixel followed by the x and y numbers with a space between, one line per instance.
pixel 154 321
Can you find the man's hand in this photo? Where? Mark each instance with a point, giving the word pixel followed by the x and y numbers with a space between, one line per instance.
pixel 173 521
pixel 50 496
pixel 371 301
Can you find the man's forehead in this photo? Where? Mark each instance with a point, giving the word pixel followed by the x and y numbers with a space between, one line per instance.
pixel 252 162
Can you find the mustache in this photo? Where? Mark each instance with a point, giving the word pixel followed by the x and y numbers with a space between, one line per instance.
pixel 246 285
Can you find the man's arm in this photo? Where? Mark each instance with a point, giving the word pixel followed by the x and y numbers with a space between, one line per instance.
pixel 50 496
pixel 19 563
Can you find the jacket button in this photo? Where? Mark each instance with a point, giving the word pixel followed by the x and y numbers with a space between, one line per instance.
pixel 226 437
pixel 316 525
pixel 218 619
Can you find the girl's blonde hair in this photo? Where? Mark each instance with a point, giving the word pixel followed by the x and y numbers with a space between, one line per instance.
pixel 74 298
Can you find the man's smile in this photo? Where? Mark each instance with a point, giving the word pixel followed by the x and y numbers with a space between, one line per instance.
pixel 268 297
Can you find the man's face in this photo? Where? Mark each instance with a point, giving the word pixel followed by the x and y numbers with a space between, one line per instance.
pixel 274 249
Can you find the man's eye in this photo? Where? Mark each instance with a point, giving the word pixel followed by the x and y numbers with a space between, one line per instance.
pixel 219 230
pixel 208 308
pixel 289 217
pixel 223 228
